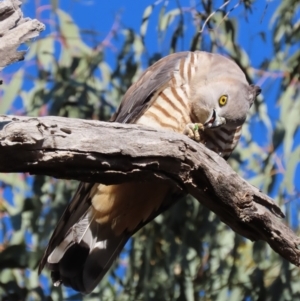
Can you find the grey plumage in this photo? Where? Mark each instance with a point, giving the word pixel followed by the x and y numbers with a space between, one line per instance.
pixel 181 92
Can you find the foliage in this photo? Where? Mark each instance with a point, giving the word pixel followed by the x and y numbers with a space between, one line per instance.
pixel 186 253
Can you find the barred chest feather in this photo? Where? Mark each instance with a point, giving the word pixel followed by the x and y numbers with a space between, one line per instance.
pixel 170 107
pixel 222 140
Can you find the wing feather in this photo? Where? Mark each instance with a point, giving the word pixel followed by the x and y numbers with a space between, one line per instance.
pixel 139 96
pixel 74 211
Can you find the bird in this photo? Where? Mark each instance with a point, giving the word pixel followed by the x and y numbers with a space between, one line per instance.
pixel 203 95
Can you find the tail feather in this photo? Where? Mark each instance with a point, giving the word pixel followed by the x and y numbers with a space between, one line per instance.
pixel 74 211
pixel 82 268
pixel 100 260
pixel 80 233
pixel 83 258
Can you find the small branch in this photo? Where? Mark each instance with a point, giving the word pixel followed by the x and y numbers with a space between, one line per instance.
pixel 212 14
pixel 112 153
pixel 14 31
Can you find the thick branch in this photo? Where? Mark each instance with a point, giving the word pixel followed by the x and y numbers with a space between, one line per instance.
pixel 113 153
pixel 15 30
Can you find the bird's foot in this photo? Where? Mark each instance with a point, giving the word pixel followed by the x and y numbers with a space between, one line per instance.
pixel 192 130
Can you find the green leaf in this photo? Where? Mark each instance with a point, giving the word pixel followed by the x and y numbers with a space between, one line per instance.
pixel 11 91
pixel 289 176
pixel 145 20
pixel 167 19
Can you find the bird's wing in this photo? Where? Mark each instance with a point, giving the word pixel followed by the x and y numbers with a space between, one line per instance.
pixel 138 97
pixel 83 247
pixel 74 211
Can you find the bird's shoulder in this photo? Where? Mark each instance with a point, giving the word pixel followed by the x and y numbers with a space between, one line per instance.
pixel 138 97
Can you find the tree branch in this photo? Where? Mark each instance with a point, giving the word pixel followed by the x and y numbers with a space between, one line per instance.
pixel 15 30
pixel 112 153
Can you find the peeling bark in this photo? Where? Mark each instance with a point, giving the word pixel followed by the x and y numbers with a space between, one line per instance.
pixel 112 153
pixel 14 31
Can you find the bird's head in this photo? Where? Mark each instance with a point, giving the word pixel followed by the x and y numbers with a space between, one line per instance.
pixel 220 93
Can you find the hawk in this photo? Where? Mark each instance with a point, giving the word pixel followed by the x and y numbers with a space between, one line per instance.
pixel 205 96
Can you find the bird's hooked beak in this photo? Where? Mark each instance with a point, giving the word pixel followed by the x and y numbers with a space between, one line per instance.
pixel 214 120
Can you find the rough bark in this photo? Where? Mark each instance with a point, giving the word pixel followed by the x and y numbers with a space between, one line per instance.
pixel 15 30
pixel 111 153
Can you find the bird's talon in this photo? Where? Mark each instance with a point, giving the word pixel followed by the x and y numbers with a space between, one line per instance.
pixel 192 130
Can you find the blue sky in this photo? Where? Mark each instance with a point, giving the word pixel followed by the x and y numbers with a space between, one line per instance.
pixel 100 15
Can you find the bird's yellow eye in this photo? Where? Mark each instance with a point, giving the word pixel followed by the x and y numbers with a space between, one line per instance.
pixel 223 100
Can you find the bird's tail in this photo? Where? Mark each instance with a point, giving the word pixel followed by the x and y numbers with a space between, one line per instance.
pixel 81 251
pixel 81 262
